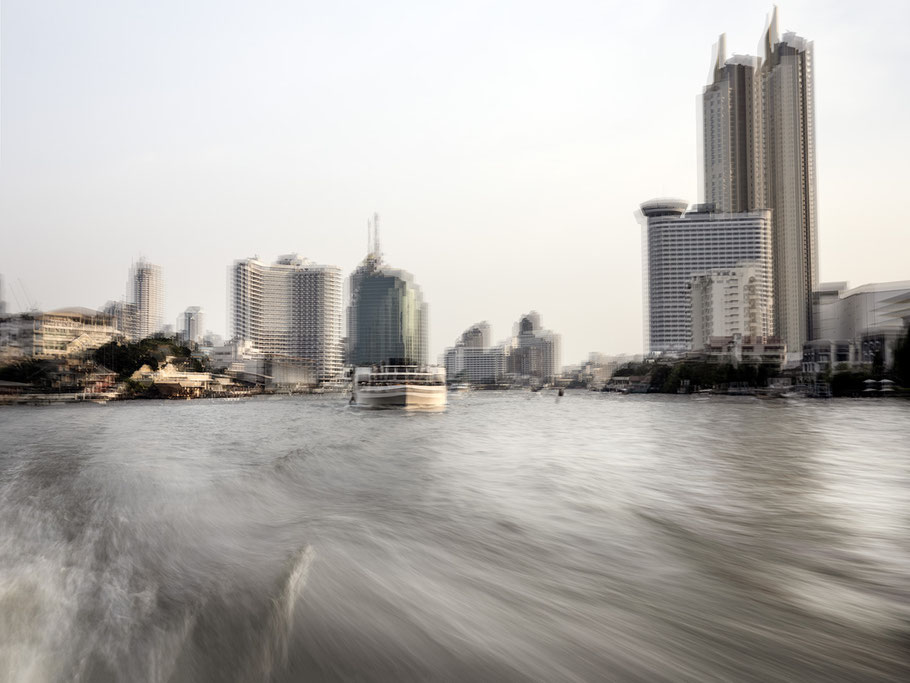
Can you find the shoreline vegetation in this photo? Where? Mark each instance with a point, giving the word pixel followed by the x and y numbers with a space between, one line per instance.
pixel 162 368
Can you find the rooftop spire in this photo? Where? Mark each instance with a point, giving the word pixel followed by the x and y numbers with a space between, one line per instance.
pixel 377 248
pixel 374 250
pixel 772 34
pixel 720 55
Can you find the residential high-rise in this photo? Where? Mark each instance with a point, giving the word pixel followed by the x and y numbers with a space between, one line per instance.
pixel 759 153
pixel 388 320
pixel 789 123
pixel 680 244
pixel 289 309
pixel 147 294
pixel 733 174
pixel 727 302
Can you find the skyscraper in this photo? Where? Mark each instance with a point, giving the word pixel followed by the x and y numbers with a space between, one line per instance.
pixel 190 324
pixel 759 153
pixel 789 123
pixel 388 320
pixel 289 309
pixel 732 120
pixel 147 294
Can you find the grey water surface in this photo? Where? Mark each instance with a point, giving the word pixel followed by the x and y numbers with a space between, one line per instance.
pixel 515 536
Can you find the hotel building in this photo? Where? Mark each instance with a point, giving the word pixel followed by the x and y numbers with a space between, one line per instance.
pixel 681 243
pixel 289 309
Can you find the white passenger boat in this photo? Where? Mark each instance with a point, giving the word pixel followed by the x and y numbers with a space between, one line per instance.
pixel 400 386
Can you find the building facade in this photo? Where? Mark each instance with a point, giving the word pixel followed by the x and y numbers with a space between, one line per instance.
pixel 680 244
pixel 789 120
pixel 759 153
pixel 733 171
pixel 534 352
pixel 147 295
pixel 62 333
pixel 473 359
pixel 124 317
pixel 289 309
pixel 388 320
pixel 861 323
pixel 728 302
pixel 190 325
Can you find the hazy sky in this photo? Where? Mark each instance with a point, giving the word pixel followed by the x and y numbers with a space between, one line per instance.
pixel 504 144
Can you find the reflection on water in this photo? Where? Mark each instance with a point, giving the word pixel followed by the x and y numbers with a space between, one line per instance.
pixel 512 537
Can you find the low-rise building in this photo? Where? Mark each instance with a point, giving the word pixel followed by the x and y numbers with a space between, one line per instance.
pixel 863 323
pixel 61 333
pixel 736 349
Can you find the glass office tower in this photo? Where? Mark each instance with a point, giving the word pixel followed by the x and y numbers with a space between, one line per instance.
pixel 387 318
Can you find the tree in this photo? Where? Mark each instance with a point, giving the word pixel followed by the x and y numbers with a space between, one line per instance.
pixel 901 367
pixel 28 371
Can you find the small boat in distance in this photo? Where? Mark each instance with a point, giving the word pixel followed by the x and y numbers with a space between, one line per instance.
pixel 400 386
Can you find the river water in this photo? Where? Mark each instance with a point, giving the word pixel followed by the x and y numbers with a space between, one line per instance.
pixel 515 536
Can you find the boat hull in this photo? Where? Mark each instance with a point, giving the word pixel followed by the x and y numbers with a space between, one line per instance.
pixel 409 396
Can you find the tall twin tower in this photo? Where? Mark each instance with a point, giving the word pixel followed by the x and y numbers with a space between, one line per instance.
pixel 759 153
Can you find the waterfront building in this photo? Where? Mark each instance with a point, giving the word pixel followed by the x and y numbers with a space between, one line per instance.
pixel 62 333
pixel 727 302
pixel 857 325
pixel 146 289
pixel 534 353
pixel 190 325
pixel 736 349
pixel 758 152
pixel 289 309
pixel 388 320
pixel 680 243
pixel 593 373
pixel 473 359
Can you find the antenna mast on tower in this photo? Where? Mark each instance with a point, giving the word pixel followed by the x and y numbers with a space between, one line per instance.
pixel 377 249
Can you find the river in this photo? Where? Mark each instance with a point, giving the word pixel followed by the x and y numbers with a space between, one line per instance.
pixel 515 536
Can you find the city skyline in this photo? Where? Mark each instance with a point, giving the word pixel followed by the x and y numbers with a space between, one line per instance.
pixel 513 169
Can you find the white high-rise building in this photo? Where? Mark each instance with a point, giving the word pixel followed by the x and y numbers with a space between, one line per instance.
pixel 147 294
pixel 290 309
pixel 680 244
pixel 727 302
pixel 759 153
pixel 473 359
